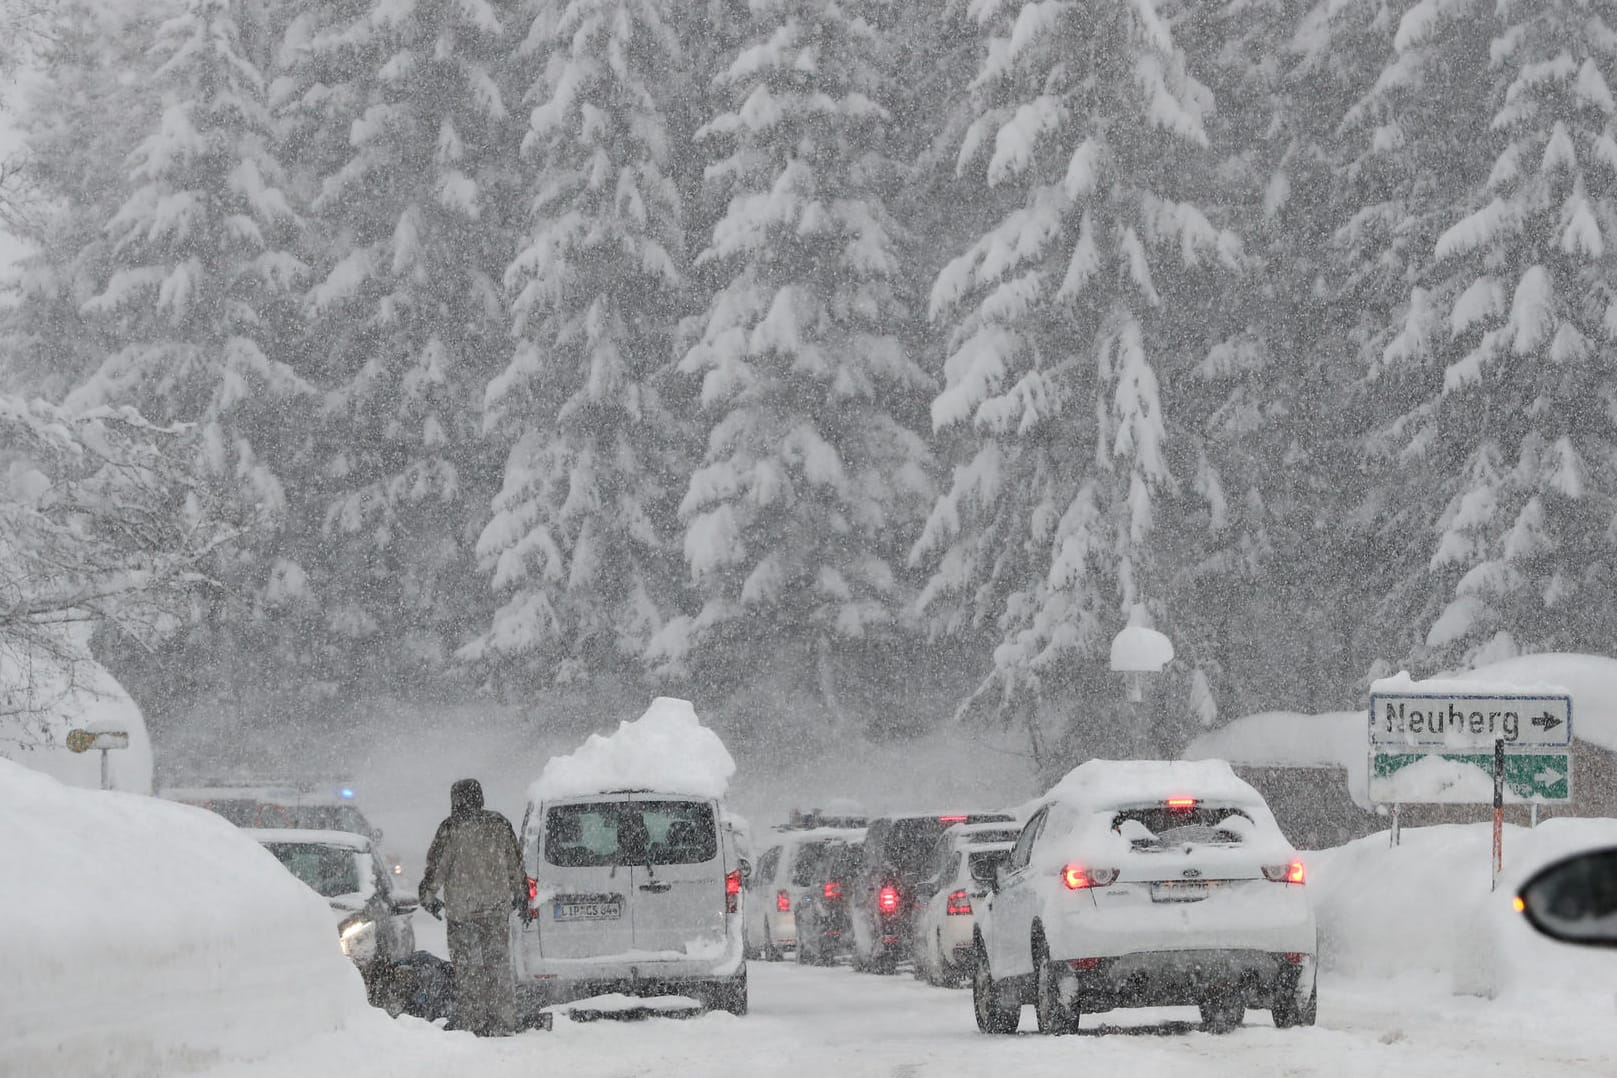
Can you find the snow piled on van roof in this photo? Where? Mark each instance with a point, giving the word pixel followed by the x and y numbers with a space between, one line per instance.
pixel 666 750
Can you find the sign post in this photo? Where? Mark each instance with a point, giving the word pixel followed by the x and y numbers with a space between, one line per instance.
pixel 1498 812
pixel 105 740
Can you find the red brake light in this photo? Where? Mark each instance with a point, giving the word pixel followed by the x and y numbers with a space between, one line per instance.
pixel 952 819
pixel 1180 804
pixel 533 891
pixel 887 899
pixel 959 903
pixel 783 901
pixel 1077 877
pixel 732 892
pixel 832 890
pixel 1292 873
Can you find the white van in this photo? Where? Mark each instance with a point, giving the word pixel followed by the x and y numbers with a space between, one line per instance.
pixel 631 891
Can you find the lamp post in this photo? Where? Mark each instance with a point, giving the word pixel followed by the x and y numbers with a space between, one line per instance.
pixel 1139 653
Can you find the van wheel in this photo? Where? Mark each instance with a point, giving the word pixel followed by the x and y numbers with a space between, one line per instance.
pixel 1288 1013
pixel 1224 1012
pixel 992 1016
pixel 731 995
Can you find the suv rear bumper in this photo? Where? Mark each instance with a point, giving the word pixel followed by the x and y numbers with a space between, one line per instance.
pixel 1186 978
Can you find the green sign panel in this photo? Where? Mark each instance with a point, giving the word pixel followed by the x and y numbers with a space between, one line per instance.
pixel 1467 778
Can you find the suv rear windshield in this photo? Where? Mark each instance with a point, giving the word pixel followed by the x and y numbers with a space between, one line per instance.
pixel 330 870
pixel 630 833
pixel 905 846
pixel 810 863
pixel 1202 825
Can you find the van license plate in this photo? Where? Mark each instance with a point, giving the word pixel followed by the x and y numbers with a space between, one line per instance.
pixel 1178 891
pixel 588 910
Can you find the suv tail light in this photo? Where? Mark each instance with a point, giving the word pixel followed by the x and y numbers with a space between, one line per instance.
pixel 732 891
pixel 887 899
pixel 832 891
pixel 959 903
pixel 1292 873
pixel 783 901
pixel 1078 878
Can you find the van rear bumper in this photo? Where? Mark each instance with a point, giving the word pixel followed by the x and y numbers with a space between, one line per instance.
pixel 543 984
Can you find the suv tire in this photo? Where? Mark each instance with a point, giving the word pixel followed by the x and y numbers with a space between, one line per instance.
pixel 992 1016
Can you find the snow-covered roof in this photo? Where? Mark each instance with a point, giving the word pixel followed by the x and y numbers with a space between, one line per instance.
pixel 1137 648
pixel 1098 785
pixel 1336 739
pixel 303 836
pixel 666 750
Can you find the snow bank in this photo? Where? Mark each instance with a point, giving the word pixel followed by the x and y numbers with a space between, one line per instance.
pixel 1337 739
pixel 42 701
pixel 1424 909
pixel 1591 680
pixel 140 936
pixel 667 750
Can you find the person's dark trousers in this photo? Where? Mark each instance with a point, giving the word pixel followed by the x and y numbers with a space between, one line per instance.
pixel 480 948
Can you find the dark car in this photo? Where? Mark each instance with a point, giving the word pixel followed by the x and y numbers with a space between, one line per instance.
pixel 823 932
pixel 898 858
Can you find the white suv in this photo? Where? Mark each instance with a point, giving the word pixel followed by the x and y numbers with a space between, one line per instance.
pixel 631 891
pixel 1145 883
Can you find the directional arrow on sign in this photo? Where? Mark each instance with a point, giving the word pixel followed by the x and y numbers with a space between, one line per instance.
pixel 1546 721
pixel 1548 777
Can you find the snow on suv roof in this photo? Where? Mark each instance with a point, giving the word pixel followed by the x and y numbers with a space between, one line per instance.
pixel 1096 785
pixel 302 836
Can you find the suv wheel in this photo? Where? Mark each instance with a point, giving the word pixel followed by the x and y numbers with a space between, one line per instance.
pixel 992 1016
pixel 1054 1015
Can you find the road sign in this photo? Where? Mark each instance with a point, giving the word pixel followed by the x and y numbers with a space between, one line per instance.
pixel 1543 778
pixel 1453 722
pixel 85 740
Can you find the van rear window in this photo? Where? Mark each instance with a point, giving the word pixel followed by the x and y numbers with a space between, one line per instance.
pixel 605 833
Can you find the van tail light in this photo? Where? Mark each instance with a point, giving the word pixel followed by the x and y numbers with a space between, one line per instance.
pixel 887 899
pixel 533 892
pixel 732 892
pixel 1292 873
pixel 783 901
pixel 832 891
pixel 959 903
pixel 1079 878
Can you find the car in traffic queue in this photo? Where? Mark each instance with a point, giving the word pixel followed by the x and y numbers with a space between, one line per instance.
pixel 779 883
pixel 943 937
pixel 374 927
pixel 325 806
pixel 631 891
pixel 886 896
pixel 1141 884
pixel 823 932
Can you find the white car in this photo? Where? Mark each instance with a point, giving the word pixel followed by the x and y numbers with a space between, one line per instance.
pixel 944 938
pixel 783 877
pixel 631 891
pixel 373 922
pixel 1146 883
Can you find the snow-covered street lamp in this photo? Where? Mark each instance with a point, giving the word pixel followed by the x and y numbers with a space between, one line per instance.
pixel 1138 653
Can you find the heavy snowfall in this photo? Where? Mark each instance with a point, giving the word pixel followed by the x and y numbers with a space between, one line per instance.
pixel 738 432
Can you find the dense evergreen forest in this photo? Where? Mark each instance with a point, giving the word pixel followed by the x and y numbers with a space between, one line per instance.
pixel 899 352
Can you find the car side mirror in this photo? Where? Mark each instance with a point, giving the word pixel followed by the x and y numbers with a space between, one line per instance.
pixel 746 869
pixel 986 874
pixel 405 904
pixel 1575 900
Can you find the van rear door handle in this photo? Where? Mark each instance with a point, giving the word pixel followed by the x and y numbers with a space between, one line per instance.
pixel 657 887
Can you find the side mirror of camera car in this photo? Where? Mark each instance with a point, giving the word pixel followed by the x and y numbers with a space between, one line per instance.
pixel 1574 900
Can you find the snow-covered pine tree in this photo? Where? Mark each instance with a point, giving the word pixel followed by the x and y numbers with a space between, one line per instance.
pixel 397 113
pixel 1509 446
pixel 200 289
pixel 580 544
pixel 1085 111
pixel 802 506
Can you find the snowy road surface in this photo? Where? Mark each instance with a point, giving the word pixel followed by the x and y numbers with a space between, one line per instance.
pixel 819 1021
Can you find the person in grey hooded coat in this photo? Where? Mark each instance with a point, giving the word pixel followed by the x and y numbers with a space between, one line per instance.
pixel 476 861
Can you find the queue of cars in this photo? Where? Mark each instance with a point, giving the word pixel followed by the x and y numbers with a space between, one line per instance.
pixel 1130 884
